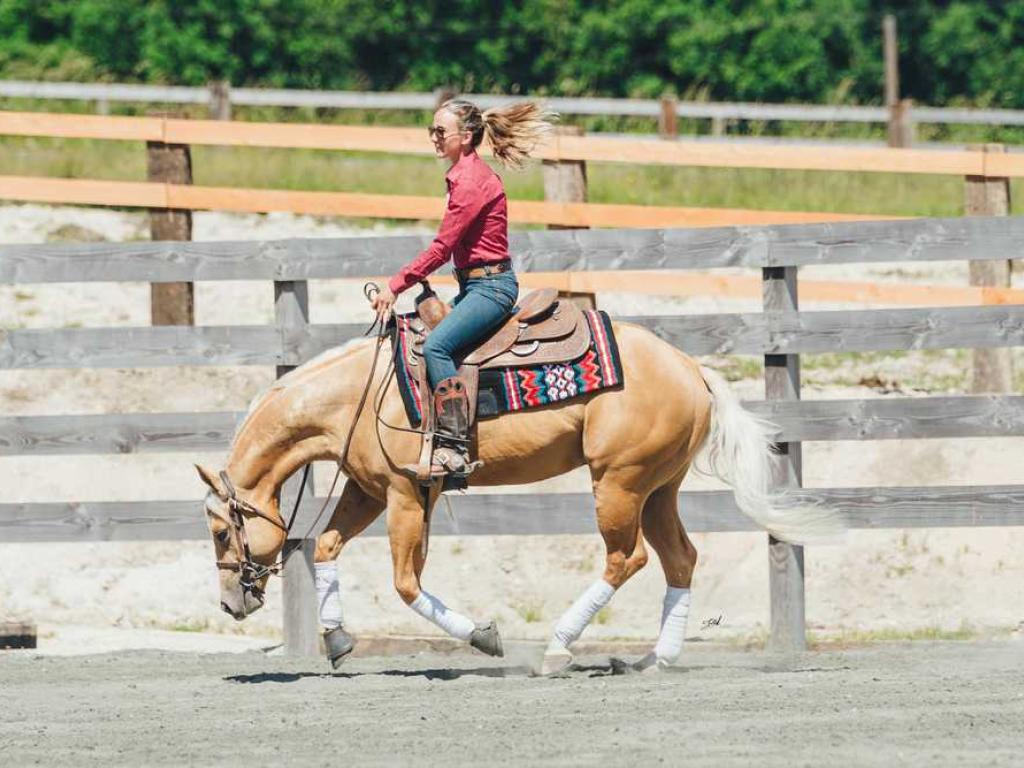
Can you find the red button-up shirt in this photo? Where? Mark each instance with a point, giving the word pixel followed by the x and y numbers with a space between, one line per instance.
pixel 475 225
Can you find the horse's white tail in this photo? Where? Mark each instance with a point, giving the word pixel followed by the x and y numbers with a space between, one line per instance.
pixel 738 451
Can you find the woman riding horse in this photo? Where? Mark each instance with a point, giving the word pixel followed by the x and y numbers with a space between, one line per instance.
pixel 638 440
pixel 475 232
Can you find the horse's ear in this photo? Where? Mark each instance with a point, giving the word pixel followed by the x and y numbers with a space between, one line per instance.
pixel 212 479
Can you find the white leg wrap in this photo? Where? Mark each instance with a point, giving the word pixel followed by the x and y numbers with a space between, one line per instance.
pixel 674 612
pixel 328 596
pixel 575 620
pixel 432 609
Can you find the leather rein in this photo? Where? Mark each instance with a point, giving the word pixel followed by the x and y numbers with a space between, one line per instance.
pixel 251 571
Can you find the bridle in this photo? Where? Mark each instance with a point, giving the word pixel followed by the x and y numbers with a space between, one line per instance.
pixel 250 571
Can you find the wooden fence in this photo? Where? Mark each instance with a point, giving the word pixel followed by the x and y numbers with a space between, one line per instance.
pixel 977 164
pixel 781 333
pixel 562 150
pixel 171 197
pixel 219 97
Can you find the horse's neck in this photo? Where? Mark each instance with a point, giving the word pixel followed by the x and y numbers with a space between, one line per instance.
pixel 296 422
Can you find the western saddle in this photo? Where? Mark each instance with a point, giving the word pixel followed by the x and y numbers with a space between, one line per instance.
pixel 542 329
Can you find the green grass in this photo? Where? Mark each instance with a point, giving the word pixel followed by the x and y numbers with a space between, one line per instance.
pixel 531 611
pixel 847 638
pixel 890 371
pixel 192 625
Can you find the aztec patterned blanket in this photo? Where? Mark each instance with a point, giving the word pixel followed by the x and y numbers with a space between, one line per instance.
pixel 515 389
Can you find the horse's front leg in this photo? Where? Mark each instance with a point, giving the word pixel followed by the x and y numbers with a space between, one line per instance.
pixel 407 530
pixel 354 512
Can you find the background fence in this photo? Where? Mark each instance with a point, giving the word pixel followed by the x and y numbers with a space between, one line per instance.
pixel 169 186
pixel 219 97
pixel 170 195
pixel 780 333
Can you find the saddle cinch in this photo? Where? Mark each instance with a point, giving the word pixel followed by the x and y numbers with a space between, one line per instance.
pixel 542 329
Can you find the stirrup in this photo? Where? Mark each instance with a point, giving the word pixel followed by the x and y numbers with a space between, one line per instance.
pixel 432 467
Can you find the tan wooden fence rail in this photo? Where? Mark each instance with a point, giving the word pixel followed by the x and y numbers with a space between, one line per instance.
pixel 781 333
pixel 563 149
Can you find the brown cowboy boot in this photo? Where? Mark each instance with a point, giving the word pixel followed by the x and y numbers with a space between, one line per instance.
pixel 451 409
pixel 445 449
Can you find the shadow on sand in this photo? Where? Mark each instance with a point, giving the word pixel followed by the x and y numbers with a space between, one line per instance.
pixel 428 674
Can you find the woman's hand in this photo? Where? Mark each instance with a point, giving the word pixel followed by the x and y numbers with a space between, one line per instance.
pixel 382 303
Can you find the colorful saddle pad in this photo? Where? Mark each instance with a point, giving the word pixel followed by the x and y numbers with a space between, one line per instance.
pixel 514 389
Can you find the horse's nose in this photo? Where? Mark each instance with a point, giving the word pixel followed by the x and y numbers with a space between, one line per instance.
pixel 225 607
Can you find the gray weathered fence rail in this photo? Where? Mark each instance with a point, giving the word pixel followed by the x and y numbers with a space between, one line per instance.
pixel 780 333
pixel 219 97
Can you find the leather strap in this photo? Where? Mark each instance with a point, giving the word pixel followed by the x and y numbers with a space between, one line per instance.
pixel 485 271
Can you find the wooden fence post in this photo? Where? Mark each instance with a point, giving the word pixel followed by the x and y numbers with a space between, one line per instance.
pixel 898 110
pixel 668 119
pixel 785 561
pixel 220 100
pixel 565 181
pixel 992 369
pixel 17 634
pixel 171 303
pixel 902 130
pixel 300 616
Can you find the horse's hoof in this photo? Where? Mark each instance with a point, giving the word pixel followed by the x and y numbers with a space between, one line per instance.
pixel 339 644
pixel 647 664
pixel 555 661
pixel 486 639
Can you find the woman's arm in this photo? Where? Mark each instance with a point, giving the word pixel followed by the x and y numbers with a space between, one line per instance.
pixel 464 204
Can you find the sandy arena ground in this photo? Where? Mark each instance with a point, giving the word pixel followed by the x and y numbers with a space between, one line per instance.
pixel 89 598
pixel 941 704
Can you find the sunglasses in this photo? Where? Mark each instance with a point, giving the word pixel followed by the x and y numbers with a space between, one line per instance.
pixel 437 132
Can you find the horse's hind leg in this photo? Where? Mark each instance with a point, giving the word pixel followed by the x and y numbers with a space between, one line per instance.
pixel 407 530
pixel 664 532
pixel 619 503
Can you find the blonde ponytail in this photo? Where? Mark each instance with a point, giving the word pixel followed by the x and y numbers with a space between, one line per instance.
pixel 513 131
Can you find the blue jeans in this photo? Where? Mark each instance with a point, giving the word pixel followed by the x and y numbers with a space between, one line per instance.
pixel 483 304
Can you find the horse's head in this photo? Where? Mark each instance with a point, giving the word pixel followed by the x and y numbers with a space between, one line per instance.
pixel 246 539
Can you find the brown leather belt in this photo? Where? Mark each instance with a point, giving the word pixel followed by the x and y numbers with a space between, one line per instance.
pixel 485 271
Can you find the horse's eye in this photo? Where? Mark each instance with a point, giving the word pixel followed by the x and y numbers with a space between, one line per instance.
pixel 223 537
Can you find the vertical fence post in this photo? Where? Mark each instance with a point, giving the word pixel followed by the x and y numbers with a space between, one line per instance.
pixel 785 561
pixel 901 129
pixel 170 303
pixel 17 634
pixel 220 100
pixel 301 623
pixel 719 126
pixel 668 119
pixel 565 181
pixel 992 369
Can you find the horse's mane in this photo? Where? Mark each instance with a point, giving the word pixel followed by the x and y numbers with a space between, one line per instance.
pixel 288 379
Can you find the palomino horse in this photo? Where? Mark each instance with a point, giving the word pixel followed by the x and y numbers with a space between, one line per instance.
pixel 638 440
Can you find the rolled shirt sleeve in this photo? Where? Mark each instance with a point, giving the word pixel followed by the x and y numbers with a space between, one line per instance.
pixel 464 205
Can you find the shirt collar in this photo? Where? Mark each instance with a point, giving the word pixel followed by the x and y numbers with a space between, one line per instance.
pixel 461 166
